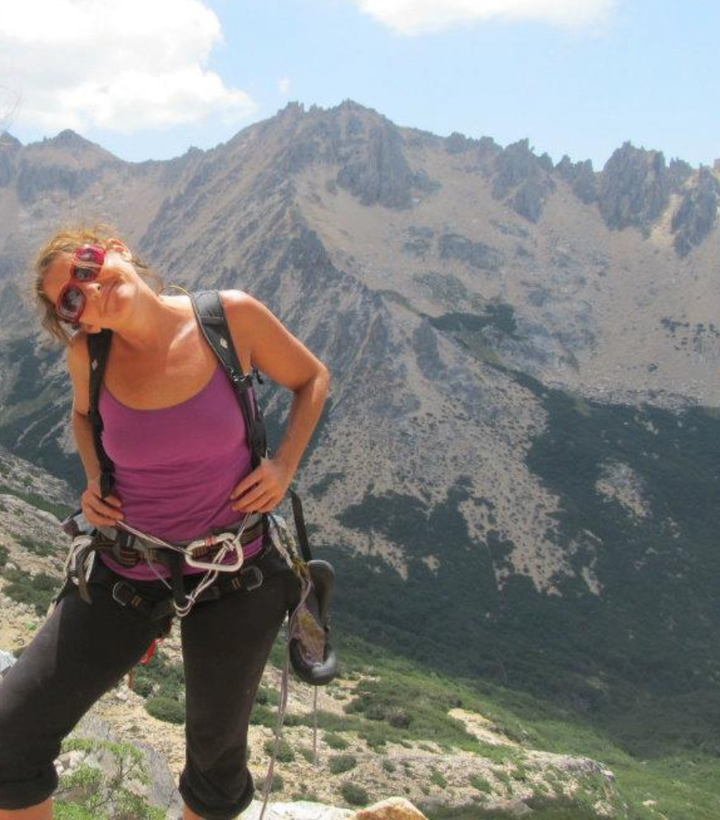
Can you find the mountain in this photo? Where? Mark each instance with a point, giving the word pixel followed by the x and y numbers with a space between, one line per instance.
pixel 521 448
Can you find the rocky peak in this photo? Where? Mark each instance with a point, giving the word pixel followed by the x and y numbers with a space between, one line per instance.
pixel 520 172
pixel 679 172
pixel 375 169
pixel 9 150
pixel 697 214
pixel 634 188
pixel 8 142
pixel 580 176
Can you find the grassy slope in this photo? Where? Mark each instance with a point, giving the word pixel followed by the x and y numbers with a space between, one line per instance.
pixel 683 785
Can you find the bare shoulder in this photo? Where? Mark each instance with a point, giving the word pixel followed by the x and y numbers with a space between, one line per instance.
pixel 239 304
pixel 78 356
pixel 246 315
pixel 78 364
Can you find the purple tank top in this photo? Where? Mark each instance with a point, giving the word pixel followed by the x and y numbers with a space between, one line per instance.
pixel 176 467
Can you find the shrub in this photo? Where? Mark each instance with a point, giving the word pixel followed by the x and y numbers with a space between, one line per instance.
pixel 262 716
pixel 267 697
pixel 438 779
pixel 307 753
pixel 285 752
pixel 160 678
pixel 480 783
pixel 335 741
pixel 388 766
pixel 3 556
pixel 35 590
pixel 398 718
pixel 353 794
pixel 166 709
pixel 342 763
pixel 277 783
pixel 36 547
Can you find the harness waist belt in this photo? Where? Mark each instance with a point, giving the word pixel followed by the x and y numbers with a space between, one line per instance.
pixel 128 549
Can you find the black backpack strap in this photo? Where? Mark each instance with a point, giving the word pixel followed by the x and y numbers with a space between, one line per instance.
pixel 300 527
pixel 99 350
pixel 211 317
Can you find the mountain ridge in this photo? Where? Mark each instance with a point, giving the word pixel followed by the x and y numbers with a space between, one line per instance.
pixel 511 377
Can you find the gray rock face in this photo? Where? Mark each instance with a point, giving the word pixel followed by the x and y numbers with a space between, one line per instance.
pixel 9 149
pixel 35 180
pixel 518 169
pixel 679 172
pixel 530 198
pixel 634 188
pixel 458 143
pixel 378 172
pixel 476 254
pixel 580 176
pixel 697 214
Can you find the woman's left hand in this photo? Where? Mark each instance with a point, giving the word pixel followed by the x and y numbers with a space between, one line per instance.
pixel 263 489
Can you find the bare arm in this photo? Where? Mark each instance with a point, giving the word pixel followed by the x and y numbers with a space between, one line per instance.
pixel 98 511
pixel 270 346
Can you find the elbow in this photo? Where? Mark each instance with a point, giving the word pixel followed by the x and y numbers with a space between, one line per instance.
pixel 326 377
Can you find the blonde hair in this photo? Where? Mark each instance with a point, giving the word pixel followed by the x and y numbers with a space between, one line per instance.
pixel 66 241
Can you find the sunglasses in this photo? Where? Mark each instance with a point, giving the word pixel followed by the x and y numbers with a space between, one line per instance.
pixel 85 266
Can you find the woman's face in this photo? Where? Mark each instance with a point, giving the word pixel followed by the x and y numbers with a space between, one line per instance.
pixel 107 296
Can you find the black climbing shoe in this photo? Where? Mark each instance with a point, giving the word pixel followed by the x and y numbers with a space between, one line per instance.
pixel 311 654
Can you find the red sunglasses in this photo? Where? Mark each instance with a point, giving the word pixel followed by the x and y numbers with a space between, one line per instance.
pixel 85 266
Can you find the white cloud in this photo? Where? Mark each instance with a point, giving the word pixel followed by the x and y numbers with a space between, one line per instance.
pixel 411 17
pixel 284 86
pixel 123 66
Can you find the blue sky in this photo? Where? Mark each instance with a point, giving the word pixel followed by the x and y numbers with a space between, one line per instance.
pixel 574 76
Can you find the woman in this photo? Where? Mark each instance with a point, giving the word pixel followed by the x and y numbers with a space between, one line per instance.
pixel 173 428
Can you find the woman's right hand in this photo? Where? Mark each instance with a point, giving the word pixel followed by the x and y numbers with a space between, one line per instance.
pixel 99 511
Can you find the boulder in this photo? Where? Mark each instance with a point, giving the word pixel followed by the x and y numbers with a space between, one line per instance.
pixel 395 808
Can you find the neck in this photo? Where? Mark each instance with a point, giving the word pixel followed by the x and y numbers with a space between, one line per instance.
pixel 155 323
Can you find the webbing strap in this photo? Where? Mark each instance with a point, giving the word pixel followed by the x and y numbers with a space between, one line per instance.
pixel 99 350
pixel 300 527
pixel 212 319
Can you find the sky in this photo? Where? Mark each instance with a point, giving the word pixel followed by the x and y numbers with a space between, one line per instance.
pixel 148 79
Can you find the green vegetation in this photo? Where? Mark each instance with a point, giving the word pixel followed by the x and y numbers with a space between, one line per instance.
pixel 335 741
pixel 278 784
pixel 285 752
pixel 342 763
pixel 58 510
pixel 96 796
pixel 38 547
pixel 4 553
pixel 38 590
pixel 267 697
pixel 262 716
pixel 480 783
pixel 166 709
pixel 437 778
pixel 354 795
pixel 161 678
pixel 639 662
pixel 33 413
pixel 683 785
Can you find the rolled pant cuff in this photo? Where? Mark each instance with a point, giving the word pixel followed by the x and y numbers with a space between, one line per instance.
pixel 25 794
pixel 226 813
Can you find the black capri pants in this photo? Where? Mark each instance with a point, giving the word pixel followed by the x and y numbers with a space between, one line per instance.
pixel 83 650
